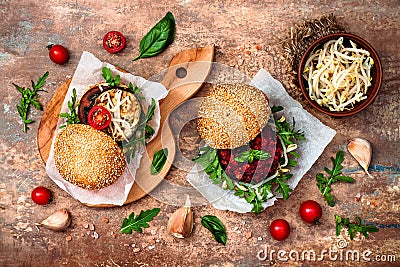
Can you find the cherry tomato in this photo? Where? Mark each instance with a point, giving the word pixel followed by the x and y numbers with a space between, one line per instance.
pixel 279 229
pixel 310 211
pixel 99 117
pixel 41 195
pixel 58 54
pixel 113 42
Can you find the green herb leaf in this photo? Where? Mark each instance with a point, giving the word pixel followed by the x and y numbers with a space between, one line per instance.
pixel 158 38
pixel 276 109
pixel 149 131
pixel 159 159
pixel 142 133
pixel 72 115
pixel 30 96
pixel 251 155
pixel 216 227
pixel 287 132
pixel 136 90
pixel 253 194
pixel 283 188
pixel 138 222
pixel 108 76
pixel 150 110
pixel 352 227
pixel 324 183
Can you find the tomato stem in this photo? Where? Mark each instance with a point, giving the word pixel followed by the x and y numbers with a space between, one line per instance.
pixel 316 221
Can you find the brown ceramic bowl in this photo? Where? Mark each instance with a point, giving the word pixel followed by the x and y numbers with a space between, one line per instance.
pixel 376 73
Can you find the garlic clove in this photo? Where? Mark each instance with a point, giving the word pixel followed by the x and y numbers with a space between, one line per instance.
pixel 58 221
pixel 180 224
pixel 361 150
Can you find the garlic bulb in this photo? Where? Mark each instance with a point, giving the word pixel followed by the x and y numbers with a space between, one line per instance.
pixel 180 224
pixel 58 221
pixel 361 150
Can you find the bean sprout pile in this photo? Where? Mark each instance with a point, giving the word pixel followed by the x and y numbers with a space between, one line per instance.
pixel 125 113
pixel 338 77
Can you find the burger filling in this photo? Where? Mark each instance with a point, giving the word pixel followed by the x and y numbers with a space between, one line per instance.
pixel 254 162
pixel 125 110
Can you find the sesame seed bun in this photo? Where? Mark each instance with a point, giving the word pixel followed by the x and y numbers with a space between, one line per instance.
pixel 87 157
pixel 232 115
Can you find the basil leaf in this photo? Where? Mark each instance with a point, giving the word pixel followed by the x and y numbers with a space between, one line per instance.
pixel 243 157
pixel 216 227
pixel 251 155
pixel 159 159
pixel 158 38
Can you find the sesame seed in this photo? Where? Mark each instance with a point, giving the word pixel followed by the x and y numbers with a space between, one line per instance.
pixel 232 115
pixel 87 157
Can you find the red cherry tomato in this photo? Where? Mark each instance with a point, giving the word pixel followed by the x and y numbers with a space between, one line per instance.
pixel 41 195
pixel 279 229
pixel 113 42
pixel 99 117
pixel 310 211
pixel 58 54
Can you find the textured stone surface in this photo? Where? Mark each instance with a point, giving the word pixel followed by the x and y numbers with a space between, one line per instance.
pixel 246 34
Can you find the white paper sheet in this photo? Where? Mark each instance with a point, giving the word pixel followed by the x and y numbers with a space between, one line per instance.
pixel 88 72
pixel 318 136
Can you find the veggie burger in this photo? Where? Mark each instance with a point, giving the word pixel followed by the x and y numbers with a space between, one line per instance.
pixel 89 154
pixel 232 120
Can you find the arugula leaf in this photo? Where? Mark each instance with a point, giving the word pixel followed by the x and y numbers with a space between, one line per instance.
pixel 324 183
pixel 142 133
pixel 136 90
pixel 149 131
pixel 158 38
pixel 283 188
pixel 276 109
pixel 138 222
pixel 159 159
pixel 108 76
pixel 216 227
pixel 30 96
pixel 251 155
pixel 150 110
pixel 72 116
pixel 353 227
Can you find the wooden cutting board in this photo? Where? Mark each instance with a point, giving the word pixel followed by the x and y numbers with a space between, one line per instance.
pixel 186 74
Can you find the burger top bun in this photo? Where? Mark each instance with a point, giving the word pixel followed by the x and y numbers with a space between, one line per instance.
pixel 87 157
pixel 232 115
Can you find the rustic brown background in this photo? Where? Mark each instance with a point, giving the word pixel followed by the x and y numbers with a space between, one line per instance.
pixel 237 28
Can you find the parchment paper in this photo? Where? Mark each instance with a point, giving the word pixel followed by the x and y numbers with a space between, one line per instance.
pixel 88 72
pixel 318 136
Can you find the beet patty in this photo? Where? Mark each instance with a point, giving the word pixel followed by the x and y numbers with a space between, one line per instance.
pixel 258 170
